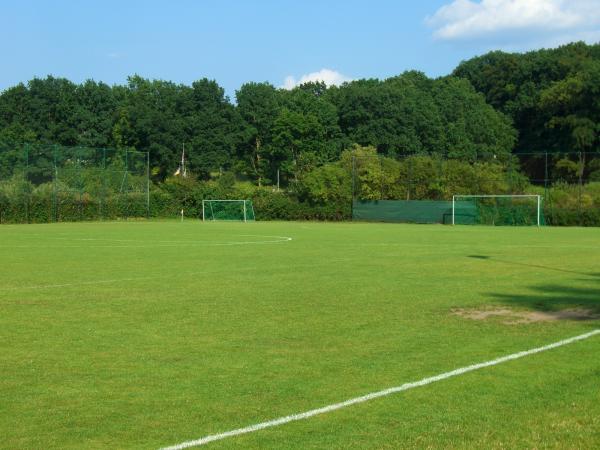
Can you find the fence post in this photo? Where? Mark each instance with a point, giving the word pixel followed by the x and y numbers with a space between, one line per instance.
pixel 408 176
pixel 26 179
pixel 581 165
pixel 353 188
pixel 148 185
pixel 126 184
pixel 78 152
pixel 103 188
pixel 511 175
pixel 55 182
pixel 381 176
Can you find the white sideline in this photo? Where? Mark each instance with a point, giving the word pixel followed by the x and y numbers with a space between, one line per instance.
pixel 373 395
pixel 156 244
pixel 159 276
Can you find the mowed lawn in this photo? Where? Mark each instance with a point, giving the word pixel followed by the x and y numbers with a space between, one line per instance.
pixel 148 334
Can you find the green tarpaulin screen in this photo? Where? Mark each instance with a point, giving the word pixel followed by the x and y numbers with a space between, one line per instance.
pixel 410 211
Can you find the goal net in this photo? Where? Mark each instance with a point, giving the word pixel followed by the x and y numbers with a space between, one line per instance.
pixel 237 210
pixel 497 210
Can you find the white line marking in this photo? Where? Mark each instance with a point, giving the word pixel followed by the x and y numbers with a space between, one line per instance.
pixel 289 268
pixel 374 395
pixel 85 283
pixel 274 240
pixel 461 244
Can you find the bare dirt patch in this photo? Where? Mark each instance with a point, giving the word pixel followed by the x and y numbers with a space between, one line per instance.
pixel 514 317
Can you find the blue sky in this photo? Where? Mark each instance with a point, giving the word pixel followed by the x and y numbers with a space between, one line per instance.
pixel 283 42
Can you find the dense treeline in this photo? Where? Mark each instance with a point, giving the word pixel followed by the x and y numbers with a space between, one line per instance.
pixel 267 130
pixel 551 95
pixel 490 107
pixel 552 99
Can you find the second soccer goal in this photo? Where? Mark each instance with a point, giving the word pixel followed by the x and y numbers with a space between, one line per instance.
pixel 497 210
pixel 233 210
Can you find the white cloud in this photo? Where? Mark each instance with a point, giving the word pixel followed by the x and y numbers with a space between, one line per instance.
pixel 464 19
pixel 328 76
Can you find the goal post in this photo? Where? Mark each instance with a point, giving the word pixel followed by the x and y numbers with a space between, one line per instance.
pixel 229 210
pixel 501 209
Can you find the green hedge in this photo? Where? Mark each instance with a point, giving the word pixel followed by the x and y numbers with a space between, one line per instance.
pixel 280 206
pixel 322 196
pixel 573 217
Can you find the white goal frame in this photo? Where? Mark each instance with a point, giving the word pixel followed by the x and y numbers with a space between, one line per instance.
pixel 537 197
pixel 244 202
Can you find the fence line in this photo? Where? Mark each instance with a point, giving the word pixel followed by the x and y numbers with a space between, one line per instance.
pixel 52 183
pixel 568 181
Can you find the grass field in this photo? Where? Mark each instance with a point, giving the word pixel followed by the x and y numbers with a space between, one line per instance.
pixel 144 335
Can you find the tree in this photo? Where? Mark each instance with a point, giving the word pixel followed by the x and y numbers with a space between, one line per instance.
pixel 296 137
pixel 258 106
pixel 150 110
pixel 214 128
pixel 328 184
pixel 311 101
pixel 412 114
pixel 94 114
pixel 472 128
pixel 529 88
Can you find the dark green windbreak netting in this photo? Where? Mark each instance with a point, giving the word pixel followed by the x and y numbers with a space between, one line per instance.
pixel 467 211
pixel 409 211
pixel 498 211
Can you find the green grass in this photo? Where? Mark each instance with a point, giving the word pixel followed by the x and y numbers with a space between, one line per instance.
pixel 142 335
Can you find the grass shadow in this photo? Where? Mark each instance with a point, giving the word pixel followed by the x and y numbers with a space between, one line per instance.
pixel 554 297
pixel 551 298
pixel 535 266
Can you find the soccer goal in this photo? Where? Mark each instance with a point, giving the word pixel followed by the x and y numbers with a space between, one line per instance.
pixel 236 210
pixel 497 210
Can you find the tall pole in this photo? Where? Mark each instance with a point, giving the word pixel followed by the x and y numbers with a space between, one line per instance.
pixel 581 167
pixel 26 178
pixel 126 184
pixel 102 199
pixel 353 186
pixel 54 183
pixel 79 151
pixel 183 169
pixel 408 178
pixel 147 185
pixel 546 183
pixel 380 178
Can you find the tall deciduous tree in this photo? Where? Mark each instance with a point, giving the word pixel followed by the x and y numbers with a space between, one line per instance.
pixel 258 105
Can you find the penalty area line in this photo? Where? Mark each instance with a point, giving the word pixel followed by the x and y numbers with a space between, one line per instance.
pixel 374 395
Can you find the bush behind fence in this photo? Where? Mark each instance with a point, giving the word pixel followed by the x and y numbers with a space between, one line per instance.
pixel 49 183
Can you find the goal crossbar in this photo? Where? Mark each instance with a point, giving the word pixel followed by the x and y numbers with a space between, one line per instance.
pixel 467 196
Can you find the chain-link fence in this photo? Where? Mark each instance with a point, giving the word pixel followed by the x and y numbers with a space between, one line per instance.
pixel 51 183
